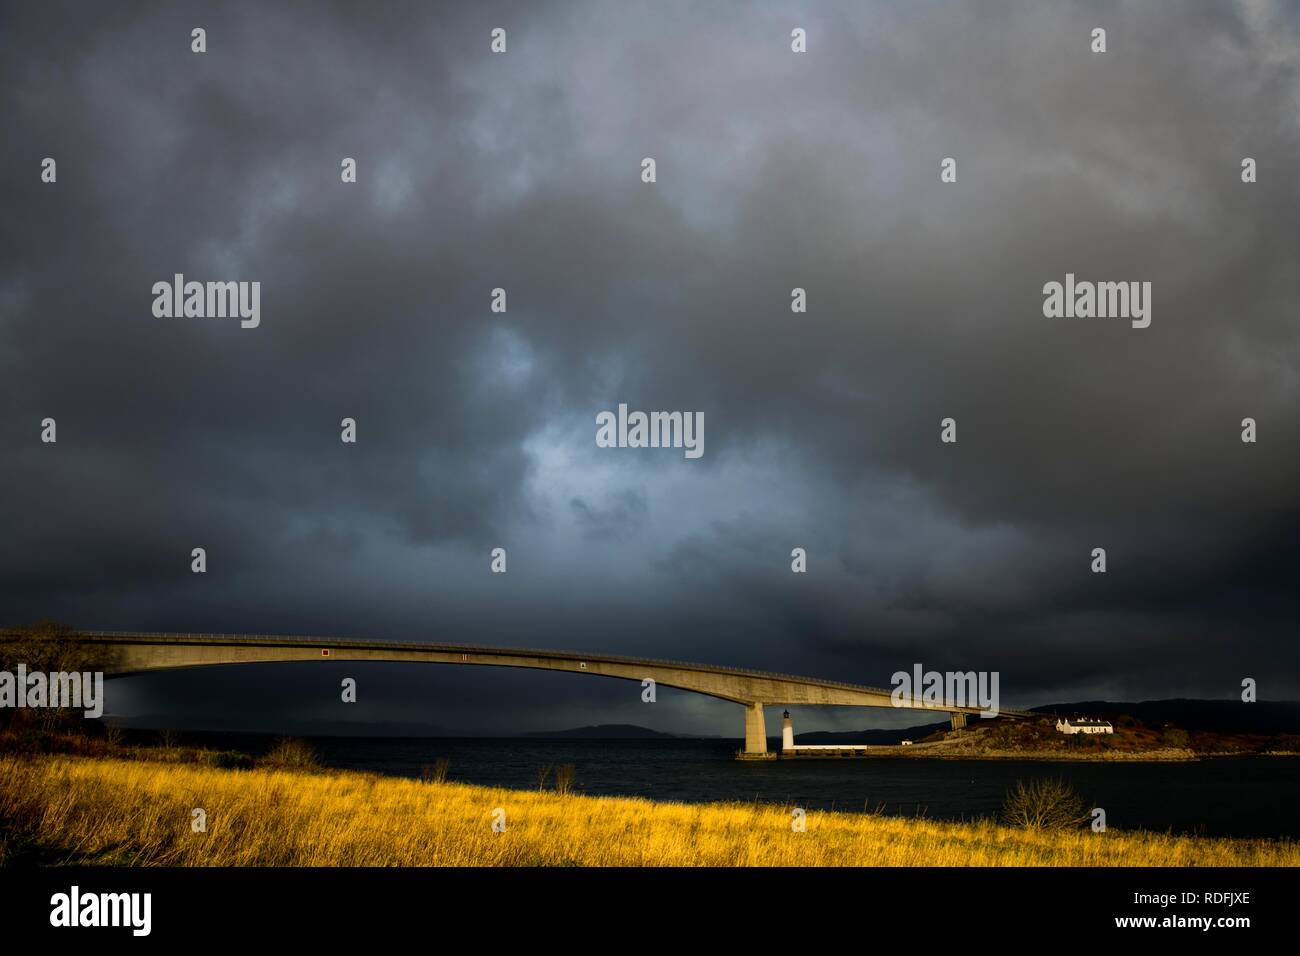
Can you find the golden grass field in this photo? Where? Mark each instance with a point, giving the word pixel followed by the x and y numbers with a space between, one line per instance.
pixel 68 809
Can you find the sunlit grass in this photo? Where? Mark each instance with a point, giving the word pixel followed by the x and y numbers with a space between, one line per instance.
pixel 62 809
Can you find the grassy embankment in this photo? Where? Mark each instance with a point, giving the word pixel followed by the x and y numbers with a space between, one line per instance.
pixel 72 809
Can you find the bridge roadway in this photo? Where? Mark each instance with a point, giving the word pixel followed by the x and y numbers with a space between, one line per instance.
pixel 134 653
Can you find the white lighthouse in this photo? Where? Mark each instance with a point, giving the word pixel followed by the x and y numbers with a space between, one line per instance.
pixel 787 732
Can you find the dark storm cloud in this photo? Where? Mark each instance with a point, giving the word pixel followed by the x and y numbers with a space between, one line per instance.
pixel 775 171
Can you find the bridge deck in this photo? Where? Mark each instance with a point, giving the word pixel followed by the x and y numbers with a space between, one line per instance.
pixel 319 642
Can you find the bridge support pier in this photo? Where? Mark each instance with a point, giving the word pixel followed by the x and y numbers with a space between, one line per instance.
pixel 958 721
pixel 755 730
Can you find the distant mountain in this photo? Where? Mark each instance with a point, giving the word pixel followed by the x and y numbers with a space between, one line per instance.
pixel 605 732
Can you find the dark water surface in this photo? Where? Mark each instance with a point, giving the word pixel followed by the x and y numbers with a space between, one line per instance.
pixel 1224 797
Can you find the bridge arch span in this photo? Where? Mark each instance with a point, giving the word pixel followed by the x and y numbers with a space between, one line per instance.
pixel 142 652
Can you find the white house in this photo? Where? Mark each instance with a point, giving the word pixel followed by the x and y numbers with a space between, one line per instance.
pixel 1084 725
pixel 905 743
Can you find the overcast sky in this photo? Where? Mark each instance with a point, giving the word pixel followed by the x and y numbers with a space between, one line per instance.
pixel 477 430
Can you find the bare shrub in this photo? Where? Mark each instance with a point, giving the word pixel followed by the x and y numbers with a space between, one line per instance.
pixel 543 774
pixel 437 771
pixel 564 775
pixel 291 754
pixel 1044 805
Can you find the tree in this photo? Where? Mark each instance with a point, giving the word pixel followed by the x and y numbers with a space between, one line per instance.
pixel 49 647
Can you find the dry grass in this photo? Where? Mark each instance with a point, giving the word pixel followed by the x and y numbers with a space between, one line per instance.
pixel 62 809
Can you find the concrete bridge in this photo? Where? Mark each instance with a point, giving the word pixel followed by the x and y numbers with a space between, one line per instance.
pixel 127 653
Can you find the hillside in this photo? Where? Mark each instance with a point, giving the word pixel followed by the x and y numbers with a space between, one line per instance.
pixel 1131 740
pixel 1158 729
